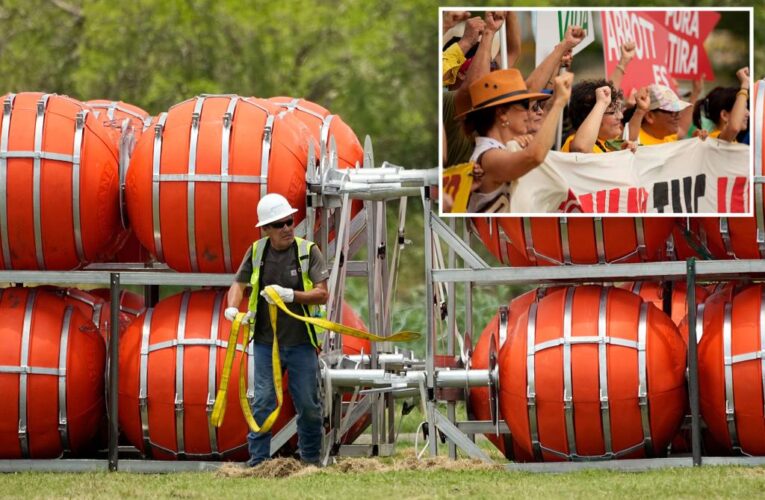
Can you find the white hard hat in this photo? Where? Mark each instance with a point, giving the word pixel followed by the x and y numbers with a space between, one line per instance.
pixel 273 207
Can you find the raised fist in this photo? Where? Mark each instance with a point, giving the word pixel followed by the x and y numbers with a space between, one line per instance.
pixel 473 29
pixel 642 99
pixel 603 95
pixel 743 77
pixel 562 86
pixel 628 51
pixel 574 35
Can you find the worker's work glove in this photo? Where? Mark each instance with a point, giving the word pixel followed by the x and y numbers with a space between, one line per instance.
pixel 230 313
pixel 286 294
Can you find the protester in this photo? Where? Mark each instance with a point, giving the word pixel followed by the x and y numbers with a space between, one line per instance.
pixel 725 109
pixel 662 121
pixel 595 111
pixel 499 112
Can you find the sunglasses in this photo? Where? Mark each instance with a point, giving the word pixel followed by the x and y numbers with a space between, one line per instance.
pixel 278 225
pixel 536 107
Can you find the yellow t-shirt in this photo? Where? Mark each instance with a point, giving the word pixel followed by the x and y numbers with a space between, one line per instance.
pixel 647 139
pixel 452 61
pixel 598 147
pixel 715 133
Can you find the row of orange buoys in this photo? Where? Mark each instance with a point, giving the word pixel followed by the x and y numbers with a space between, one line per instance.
pixel 52 363
pixel 196 174
pixel 594 372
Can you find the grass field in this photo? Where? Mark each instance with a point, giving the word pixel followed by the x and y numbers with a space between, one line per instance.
pixel 740 482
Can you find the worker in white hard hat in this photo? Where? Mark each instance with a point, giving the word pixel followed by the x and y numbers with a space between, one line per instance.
pixel 296 269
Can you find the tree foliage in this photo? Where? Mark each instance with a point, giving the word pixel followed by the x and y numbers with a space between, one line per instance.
pixel 373 63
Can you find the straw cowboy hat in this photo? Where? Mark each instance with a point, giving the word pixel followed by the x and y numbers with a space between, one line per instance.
pixel 499 87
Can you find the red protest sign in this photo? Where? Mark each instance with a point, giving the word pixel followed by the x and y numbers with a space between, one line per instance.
pixel 687 31
pixel 651 43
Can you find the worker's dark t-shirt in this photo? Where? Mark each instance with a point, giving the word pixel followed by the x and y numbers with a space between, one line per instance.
pixel 280 267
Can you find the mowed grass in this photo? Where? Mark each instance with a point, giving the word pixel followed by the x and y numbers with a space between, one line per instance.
pixel 730 481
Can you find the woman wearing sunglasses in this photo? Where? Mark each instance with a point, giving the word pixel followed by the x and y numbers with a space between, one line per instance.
pixel 596 114
pixel 296 270
pixel 499 113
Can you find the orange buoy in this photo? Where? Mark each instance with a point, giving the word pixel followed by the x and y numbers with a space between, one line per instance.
pixel 59 184
pixel 322 124
pixel 542 241
pixel 95 308
pixel 171 359
pixel 131 303
pixel 51 376
pixel 731 353
pixel 117 117
pixel 499 327
pixel 653 292
pixel 193 184
pixel 592 372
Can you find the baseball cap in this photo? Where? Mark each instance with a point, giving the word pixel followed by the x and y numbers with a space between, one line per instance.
pixel 665 99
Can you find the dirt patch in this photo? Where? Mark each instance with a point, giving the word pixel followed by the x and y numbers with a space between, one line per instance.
pixel 442 463
pixel 357 465
pixel 276 468
pixel 289 467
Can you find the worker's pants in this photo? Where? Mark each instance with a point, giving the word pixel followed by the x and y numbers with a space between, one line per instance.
pixel 302 367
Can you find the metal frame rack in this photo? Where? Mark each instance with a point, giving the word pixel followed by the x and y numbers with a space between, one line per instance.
pixel 388 375
pixel 477 272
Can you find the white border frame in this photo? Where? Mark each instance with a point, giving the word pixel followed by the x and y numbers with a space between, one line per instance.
pixel 441 10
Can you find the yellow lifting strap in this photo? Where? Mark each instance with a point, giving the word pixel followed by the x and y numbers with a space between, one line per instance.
pixel 219 409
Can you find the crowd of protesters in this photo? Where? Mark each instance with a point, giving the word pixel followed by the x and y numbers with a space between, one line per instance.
pixel 506 124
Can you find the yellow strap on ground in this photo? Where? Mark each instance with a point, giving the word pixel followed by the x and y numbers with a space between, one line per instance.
pixel 403 336
pixel 276 365
pixel 219 409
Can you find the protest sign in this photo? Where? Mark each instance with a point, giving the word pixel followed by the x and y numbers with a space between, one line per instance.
pixel 651 45
pixel 686 31
pixel 551 28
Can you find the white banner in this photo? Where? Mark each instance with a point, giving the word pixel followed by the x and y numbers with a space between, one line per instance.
pixel 551 28
pixel 689 176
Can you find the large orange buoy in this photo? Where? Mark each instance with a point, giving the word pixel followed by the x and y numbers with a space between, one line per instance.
pixel 499 327
pixel 653 292
pixel 95 308
pixel 731 387
pixel 194 183
pixel 592 372
pixel 322 124
pixel 118 116
pixel 543 241
pixel 51 376
pixel 171 359
pixel 59 184
pixel 131 303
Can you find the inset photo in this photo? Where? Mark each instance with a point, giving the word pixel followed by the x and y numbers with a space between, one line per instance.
pixel 596 112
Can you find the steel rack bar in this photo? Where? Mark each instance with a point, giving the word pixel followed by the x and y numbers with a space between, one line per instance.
pixel 113 357
pixel 709 270
pixel 693 363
